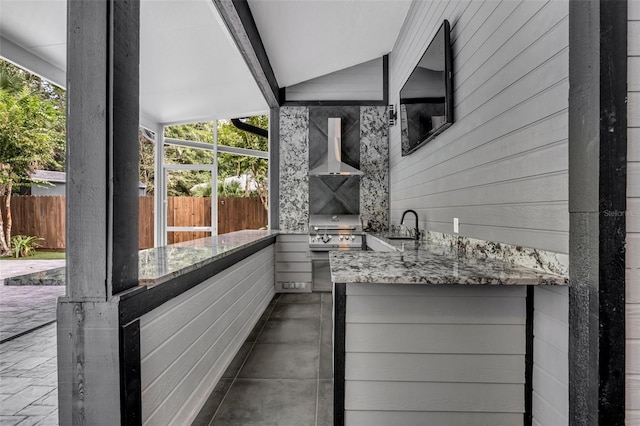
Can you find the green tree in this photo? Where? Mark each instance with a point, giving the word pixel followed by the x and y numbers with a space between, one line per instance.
pixel 181 183
pixel 257 169
pixel 32 135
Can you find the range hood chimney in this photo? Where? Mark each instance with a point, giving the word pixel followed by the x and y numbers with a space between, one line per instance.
pixel 334 165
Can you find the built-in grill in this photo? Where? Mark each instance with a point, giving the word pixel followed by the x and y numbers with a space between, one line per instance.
pixel 335 232
pixel 328 233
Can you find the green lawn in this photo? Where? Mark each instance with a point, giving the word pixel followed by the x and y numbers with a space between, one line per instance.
pixel 39 255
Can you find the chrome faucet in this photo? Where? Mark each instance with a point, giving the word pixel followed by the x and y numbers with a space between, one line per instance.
pixel 417 236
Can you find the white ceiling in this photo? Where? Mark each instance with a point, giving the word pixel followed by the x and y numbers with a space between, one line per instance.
pixel 33 35
pixel 305 39
pixel 191 69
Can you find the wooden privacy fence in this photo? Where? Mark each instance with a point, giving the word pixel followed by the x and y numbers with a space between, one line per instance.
pixel 44 217
pixel 39 216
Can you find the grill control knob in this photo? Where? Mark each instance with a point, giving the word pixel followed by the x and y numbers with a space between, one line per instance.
pixel 340 238
pixel 353 237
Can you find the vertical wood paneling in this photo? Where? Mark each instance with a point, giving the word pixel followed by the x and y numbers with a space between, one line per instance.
pixel 145 222
pixel 40 216
pixel 44 217
pixel 187 343
pixel 632 308
pixel 502 167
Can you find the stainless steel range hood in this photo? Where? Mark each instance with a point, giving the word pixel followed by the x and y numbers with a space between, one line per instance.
pixel 334 165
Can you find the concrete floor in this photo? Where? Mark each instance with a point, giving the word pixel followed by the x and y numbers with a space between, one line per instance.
pixel 281 376
pixel 283 373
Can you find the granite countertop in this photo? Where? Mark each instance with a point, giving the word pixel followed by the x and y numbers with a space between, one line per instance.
pixel 161 264
pixel 157 265
pixel 431 263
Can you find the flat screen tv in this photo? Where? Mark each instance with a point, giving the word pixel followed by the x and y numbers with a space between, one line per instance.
pixel 426 99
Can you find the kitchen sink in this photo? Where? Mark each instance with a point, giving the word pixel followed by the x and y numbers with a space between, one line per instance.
pixel 400 237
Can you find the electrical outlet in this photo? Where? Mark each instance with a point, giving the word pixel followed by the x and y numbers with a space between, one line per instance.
pixel 456 225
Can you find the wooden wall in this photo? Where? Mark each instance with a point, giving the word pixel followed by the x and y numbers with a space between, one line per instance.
pixel 404 367
pixel 293 263
pixel 44 216
pixel 551 356
pixel 360 82
pixel 633 219
pixel 502 168
pixel 41 216
pixel 187 343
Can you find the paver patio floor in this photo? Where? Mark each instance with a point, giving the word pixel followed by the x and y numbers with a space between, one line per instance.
pixel 28 359
pixel 29 379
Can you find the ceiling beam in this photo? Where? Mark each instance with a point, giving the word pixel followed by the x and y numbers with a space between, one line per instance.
pixel 239 20
pixel 32 63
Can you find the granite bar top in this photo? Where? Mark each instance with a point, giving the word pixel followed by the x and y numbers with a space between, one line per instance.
pixel 431 263
pixel 161 264
pixel 157 265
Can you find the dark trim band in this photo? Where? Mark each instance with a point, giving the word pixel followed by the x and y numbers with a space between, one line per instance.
pixel 149 298
pixel 385 79
pixel 334 103
pixel 612 198
pixel 339 348
pixel 130 380
pixel 236 14
pixel 362 102
pixel 528 358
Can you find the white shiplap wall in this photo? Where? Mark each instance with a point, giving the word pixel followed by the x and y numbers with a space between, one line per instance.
pixel 502 168
pixel 293 263
pixel 187 343
pixel 441 355
pixel 360 82
pixel 633 218
pixel 551 356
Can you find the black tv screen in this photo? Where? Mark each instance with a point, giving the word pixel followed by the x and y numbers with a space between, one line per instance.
pixel 426 99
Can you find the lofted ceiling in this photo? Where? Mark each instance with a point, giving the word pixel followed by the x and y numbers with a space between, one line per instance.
pixel 305 39
pixel 191 69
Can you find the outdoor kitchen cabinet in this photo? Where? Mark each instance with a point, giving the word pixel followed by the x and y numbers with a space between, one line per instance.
pixel 293 263
pixel 428 335
pixel 420 354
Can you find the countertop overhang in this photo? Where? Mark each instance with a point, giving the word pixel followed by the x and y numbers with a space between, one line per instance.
pixel 161 264
pixel 431 263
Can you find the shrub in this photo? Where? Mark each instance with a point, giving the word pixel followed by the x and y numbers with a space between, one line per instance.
pixel 24 245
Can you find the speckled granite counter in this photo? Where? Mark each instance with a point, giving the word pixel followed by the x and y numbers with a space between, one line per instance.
pixel 161 264
pixel 432 263
pixel 158 265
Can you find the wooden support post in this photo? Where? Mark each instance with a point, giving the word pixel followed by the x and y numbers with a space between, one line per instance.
pixel 597 201
pixel 102 198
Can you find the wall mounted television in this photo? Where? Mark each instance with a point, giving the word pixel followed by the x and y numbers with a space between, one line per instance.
pixel 426 99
